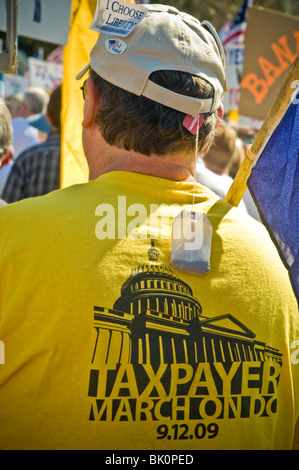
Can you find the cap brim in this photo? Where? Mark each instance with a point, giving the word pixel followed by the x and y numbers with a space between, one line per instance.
pixel 83 71
pixel 39 121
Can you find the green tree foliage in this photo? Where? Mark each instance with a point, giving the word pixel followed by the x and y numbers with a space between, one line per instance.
pixel 217 11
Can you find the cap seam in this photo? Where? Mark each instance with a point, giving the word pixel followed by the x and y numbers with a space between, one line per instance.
pixel 183 41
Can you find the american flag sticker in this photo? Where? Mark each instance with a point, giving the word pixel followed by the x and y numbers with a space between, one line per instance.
pixel 113 43
pixel 115 46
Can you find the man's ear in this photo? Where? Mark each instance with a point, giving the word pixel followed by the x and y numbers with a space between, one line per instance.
pixel 91 104
pixel 220 111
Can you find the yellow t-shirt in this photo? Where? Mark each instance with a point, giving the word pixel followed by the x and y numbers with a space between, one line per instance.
pixel 106 346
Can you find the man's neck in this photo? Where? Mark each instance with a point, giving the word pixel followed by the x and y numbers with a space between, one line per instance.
pixel 175 167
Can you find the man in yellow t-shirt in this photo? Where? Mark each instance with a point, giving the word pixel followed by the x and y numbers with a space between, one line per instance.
pixel 121 328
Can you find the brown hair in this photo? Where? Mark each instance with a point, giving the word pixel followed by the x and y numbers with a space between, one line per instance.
pixel 54 107
pixel 137 123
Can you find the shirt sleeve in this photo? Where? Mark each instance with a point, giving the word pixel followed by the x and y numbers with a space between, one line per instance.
pixel 296 437
pixel 14 187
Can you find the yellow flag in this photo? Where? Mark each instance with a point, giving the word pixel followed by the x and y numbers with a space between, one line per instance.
pixel 74 168
pixel 76 55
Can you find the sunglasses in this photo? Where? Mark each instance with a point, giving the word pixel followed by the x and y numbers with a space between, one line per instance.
pixel 84 89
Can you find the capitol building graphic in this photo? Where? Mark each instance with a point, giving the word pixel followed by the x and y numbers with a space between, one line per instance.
pixel 157 320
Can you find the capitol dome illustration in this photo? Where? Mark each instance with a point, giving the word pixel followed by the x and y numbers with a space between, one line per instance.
pixel 154 287
pixel 158 320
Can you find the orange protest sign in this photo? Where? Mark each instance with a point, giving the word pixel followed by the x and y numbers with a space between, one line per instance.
pixel 277 110
pixel 271 46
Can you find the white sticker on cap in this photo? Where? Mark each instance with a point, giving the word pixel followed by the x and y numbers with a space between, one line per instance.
pixel 115 46
pixel 117 17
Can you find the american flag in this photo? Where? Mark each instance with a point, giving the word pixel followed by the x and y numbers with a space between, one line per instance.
pixel 234 32
pixel 113 42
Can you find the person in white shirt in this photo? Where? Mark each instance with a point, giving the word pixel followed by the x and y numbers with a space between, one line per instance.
pixel 24 135
pixel 213 169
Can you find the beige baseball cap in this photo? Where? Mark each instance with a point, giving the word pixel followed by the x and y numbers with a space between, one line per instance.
pixel 165 39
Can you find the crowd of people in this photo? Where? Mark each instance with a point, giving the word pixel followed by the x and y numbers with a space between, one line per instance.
pixel 109 345
pixel 31 166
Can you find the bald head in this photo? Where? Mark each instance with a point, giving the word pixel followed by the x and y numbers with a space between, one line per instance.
pixel 35 101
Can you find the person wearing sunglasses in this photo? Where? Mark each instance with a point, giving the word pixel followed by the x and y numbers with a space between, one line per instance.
pixel 139 311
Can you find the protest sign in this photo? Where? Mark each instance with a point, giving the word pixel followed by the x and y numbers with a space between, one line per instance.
pixel 47 21
pixel 234 64
pixel 271 46
pixel 44 74
pixel 14 84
